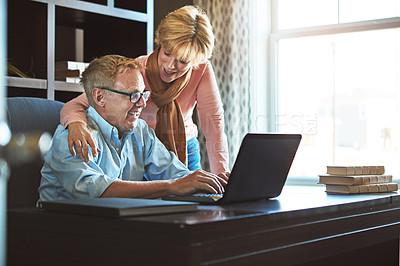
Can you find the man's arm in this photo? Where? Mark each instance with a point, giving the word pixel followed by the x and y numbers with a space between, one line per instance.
pixel 64 175
pixel 192 183
pixel 165 172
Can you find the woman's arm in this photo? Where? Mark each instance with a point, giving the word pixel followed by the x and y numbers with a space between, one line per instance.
pixel 74 111
pixel 73 117
pixel 211 116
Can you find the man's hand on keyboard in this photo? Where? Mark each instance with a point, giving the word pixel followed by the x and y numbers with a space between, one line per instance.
pixel 200 180
pixel 225 175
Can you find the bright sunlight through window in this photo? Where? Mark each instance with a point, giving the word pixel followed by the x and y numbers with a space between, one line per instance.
pixel 340 90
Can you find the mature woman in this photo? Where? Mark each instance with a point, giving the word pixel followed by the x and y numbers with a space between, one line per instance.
pixel 180 78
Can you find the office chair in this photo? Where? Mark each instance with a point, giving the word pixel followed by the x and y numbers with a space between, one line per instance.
pixel 28 115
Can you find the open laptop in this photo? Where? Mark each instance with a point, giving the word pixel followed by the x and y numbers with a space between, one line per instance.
pixel 259 172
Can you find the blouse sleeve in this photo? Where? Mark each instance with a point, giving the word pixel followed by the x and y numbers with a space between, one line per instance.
pixel 74 111
pixel 211 116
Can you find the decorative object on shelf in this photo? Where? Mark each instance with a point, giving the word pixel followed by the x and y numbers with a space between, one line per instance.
pixel 14 71
pixel 70 71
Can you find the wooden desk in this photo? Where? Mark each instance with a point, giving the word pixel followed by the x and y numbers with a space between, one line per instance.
pixel 303 225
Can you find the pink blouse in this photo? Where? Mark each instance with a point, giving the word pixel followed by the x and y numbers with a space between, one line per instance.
pixel 201 89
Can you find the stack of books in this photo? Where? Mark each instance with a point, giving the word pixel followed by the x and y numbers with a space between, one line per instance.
pixel 357 180
pixel 70 71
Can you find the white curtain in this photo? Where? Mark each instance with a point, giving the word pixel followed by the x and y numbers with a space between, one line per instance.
pixel 230 21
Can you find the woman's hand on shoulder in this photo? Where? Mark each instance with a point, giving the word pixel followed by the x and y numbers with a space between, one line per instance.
pixel 79 140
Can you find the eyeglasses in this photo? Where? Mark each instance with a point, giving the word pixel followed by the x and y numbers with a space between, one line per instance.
pixel 134 96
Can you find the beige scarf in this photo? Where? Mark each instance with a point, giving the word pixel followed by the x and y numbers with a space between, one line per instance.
pixel 170 127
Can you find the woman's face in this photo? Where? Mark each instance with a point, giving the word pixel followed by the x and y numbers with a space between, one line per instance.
pixel 170 67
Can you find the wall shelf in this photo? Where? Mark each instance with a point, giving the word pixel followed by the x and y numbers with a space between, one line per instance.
pixel 42 84
pixel 43 32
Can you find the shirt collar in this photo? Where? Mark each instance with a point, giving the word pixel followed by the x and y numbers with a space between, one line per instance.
pixel 105 128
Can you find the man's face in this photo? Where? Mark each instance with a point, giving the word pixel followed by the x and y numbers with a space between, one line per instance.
pixel 119 110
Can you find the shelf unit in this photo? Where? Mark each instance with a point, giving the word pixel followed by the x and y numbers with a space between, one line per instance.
pixel 43 32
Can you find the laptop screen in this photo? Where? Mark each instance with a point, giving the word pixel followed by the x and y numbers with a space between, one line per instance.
pixel 261 166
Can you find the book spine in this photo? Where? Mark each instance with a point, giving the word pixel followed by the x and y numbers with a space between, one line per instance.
pixel 359 189
pixel 355 170
pixel 354 180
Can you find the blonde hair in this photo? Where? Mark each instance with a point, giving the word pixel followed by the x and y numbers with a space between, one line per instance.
pixel 102 71
pixel 187 34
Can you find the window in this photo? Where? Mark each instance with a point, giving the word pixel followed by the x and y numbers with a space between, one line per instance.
pixel 308 13
pixel 336 68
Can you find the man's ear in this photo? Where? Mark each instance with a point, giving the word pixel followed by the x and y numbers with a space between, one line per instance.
pixel 98 97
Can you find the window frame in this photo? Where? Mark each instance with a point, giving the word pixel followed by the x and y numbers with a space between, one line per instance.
pixel 275 35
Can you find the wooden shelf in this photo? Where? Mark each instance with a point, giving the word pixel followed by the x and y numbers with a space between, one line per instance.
pixel 65 86
pixel 42 32
pixel 26 83
pixel 106 10
pixel 42 84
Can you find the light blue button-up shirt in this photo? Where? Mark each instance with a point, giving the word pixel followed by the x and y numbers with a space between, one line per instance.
pixel 138 155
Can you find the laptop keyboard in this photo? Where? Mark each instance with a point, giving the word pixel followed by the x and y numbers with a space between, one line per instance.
pixel 199 197
pixel 213 196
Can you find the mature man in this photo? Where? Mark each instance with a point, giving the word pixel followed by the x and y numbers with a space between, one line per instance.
pixel 133 162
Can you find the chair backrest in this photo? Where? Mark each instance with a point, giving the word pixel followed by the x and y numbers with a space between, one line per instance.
pixel 29 116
